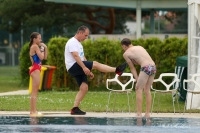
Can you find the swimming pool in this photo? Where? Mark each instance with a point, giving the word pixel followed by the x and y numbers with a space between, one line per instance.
pixel 98 124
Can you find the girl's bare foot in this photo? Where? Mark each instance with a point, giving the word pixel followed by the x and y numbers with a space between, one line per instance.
pixel 36 114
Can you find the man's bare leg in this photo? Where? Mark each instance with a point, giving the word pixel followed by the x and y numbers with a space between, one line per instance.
pixel 148 102
pixel 139 102
pixel 141 82
pixel 102 67
pixel 148 96
pixel 80 95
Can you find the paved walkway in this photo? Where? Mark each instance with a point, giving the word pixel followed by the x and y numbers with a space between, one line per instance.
pixel 19 92
pixel 89 114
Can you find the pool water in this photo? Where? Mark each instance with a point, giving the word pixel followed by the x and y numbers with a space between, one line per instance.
pixel 14 124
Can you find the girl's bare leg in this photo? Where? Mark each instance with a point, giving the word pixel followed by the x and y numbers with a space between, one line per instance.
pixel 35 86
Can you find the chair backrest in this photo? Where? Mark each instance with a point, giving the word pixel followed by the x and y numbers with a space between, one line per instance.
pixel 160 79
pixel 123 86
pixel 193 80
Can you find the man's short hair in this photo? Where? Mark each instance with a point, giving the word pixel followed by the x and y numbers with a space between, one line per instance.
pixel 126 42
pixel 82 28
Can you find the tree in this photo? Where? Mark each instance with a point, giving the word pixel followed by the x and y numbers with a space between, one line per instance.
pixel 92 19
pixel 31 13
pixel 38 13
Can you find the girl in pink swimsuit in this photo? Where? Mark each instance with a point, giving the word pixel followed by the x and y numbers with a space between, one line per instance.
pixel 38 52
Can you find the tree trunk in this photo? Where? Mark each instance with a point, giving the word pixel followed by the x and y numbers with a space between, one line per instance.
pixel 92 20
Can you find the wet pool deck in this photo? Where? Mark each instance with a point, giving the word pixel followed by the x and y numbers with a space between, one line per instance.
pixel 89 114
pixel 96 114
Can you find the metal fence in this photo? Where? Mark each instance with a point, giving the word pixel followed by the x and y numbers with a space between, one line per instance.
pixel 9 56
pixel 11 44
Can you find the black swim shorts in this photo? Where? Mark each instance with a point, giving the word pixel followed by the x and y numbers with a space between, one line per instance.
pixel 77 72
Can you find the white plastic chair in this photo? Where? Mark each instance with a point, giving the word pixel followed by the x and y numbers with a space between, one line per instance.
pixel 167 88
pixel 192 91
pixel 123 88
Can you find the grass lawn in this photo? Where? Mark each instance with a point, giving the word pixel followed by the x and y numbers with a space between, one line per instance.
pixel 93 102
pixel 10 79
pixel 63 101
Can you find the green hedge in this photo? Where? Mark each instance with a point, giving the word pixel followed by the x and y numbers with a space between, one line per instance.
pixel 25 63
pixel 105 51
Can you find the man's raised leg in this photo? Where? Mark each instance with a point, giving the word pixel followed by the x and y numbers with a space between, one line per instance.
pixel 102 67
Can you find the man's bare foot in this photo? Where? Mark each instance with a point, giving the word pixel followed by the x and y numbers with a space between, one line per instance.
pixel 138 115
pixel 147 115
